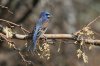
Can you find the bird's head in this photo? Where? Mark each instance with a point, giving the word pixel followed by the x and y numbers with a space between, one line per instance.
pixel 45 14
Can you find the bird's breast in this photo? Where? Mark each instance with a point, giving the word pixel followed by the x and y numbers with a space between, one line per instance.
pixel 45 24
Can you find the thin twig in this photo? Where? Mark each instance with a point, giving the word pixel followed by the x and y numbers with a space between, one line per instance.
pixel 14 24
pixel 9 22
pixel 4 36
pixel 88 25
pixel 6 8
pixel 93 21
pixel 22 56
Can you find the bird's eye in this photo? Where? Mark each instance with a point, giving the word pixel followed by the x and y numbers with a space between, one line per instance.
pixel 47 14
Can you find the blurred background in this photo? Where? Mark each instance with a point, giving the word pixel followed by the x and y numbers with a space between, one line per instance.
pixel 68 16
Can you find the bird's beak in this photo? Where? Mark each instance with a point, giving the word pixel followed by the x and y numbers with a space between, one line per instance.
pixel 49 16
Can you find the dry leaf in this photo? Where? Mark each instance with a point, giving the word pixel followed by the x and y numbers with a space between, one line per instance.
pixel 8 32
pixel 85 58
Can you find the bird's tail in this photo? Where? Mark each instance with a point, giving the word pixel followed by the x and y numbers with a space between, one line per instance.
pixel 32 47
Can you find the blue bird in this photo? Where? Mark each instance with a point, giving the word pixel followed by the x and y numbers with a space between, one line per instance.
pixel 39 29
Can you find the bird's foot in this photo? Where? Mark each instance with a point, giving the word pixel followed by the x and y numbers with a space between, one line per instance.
pixel 45 38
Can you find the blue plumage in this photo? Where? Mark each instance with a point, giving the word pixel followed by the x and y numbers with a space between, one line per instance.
pixel 40 28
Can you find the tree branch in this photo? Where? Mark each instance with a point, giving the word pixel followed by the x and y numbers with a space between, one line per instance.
pixel 53 36
pixel 61 36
